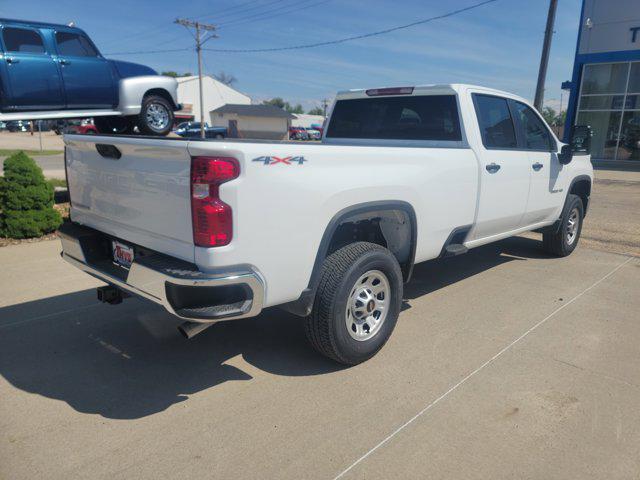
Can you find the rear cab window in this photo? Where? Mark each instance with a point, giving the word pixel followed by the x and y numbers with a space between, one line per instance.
pixel 416 117
pixel 22 40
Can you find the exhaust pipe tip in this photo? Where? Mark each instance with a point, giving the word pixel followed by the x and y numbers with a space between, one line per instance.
pixel 191 329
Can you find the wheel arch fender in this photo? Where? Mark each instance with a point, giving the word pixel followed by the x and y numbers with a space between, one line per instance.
pixel 133 90
pixel 394 220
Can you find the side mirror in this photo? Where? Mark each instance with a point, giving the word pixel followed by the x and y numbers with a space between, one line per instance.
pixel 581 139
pixel 566 155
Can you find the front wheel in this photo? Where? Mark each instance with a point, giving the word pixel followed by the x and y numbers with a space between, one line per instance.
pixel 357 303
pixel 156 116
pixel 565 240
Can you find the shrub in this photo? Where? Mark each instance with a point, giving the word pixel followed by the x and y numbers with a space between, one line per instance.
pixel 26 200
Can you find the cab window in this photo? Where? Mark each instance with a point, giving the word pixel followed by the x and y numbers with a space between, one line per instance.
pixel 74 45
pixel 22 40
pixel 496 124
pixel 536 134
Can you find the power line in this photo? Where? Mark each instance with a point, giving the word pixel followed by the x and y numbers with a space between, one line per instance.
pixel 287 9
pixel 355 37
pixel 217 17
pixel 150 52
pixel 319 44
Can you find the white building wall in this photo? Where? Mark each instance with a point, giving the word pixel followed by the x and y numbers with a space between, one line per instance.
pixel 216 94
pixel 305 121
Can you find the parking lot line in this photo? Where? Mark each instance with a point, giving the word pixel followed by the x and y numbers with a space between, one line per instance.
pixel 477 370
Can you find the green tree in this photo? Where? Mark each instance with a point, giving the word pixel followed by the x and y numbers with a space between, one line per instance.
pixel 297 109
pixel 316 111
pixel 549 115
pixel 26 200
pixel 278 102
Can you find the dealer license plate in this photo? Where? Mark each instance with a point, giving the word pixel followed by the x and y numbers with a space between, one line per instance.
pixel 122 254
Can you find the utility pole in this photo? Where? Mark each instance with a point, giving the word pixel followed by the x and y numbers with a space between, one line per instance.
pixel 544 60
pixel 325 104
pixel 199 42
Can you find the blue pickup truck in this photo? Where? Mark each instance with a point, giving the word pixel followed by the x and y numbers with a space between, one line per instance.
pixel 50 71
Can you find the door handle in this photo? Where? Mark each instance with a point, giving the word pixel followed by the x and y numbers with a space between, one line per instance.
pixel 492 167
pixel 537 166
pixel 64 61
pixel 12 60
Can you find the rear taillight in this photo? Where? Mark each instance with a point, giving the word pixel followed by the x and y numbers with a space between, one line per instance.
pixel 211 217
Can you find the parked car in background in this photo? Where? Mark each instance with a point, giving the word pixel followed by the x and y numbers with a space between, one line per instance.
pixel 52 71
pixel 82 127
pixel 298 133
pixel 192 130
pixel 314 134
pixel 328 232
pixel 17 126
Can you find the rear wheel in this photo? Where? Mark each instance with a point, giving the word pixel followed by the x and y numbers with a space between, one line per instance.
pixel 156 116
pixel 114 125
pixel 565 240
pixel 357 303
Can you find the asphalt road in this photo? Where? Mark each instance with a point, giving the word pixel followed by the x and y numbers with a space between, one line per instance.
pixel 505 364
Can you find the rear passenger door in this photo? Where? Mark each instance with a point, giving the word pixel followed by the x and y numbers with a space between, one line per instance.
pixel 545 195
pixel 505 169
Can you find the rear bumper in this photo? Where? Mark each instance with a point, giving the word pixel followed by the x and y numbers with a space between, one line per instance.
pixel 178 286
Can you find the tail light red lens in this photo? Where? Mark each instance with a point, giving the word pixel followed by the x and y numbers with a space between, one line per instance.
pixel 212 218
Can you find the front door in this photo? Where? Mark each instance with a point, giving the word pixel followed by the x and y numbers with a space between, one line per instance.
pixel 29 72
pixel 546 192
pixel 505 169
pixel 88 77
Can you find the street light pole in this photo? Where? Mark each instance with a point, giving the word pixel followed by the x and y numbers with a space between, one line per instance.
pixel 199 42
pixel 544 60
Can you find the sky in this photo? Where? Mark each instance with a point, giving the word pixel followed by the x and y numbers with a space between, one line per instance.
pixel 497 45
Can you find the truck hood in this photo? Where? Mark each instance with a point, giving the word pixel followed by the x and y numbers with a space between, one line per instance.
pixel 128 69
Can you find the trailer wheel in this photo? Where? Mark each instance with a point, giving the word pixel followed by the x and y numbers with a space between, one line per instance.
pixel 357 303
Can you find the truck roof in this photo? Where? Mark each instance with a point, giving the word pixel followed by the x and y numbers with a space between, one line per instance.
pixel 444 88
pixel 34 24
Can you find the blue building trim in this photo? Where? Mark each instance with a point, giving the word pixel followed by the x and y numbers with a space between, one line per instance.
pixel 578 64
pixel 575 83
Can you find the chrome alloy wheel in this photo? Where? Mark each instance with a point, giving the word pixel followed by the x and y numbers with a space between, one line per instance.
pixel 157 116
pixel 573 223
pixel 367 305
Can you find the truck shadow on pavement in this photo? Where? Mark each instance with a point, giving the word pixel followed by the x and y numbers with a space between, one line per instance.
pixel 129 361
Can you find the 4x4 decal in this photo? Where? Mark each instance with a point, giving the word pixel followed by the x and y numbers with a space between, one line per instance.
pixel 286 160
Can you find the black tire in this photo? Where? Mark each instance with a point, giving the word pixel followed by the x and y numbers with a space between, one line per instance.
pixel 114 125
pixel 562 243
pixel 326 327
pixel 146 126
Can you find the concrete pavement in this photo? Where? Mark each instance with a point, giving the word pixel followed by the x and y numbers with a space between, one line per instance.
pixel 505 363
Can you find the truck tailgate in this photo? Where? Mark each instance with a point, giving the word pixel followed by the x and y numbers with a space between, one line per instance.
pixel 142 197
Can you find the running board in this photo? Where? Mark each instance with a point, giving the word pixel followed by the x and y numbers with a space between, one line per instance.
pixel 455 249
pixel 56 114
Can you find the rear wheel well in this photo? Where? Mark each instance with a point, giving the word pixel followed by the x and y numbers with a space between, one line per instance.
pixel 390 229
pixel 582 188
pixel 161 92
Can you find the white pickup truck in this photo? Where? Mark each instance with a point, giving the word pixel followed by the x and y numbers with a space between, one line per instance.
pixel 218 230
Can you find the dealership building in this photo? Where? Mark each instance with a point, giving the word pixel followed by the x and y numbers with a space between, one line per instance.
pixel 605 87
